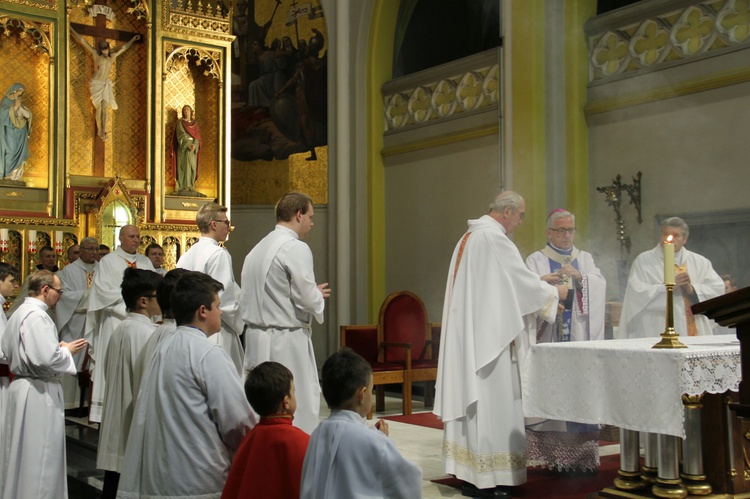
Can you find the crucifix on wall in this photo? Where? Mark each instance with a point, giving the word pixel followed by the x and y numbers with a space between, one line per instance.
pixel 100 85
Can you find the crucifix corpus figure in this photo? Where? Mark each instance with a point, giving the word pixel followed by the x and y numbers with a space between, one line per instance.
pixel 101 86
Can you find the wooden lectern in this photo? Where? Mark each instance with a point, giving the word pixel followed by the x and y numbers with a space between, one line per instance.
pixel 725 465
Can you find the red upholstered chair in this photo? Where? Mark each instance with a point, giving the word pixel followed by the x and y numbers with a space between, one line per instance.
pixel 403 319
pixel 365 340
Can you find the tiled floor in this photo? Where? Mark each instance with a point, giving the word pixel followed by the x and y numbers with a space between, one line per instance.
pixel 423 446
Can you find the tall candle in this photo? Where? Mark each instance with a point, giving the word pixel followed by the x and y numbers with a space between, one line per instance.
pixel 668 261
pixel 32 241
pixel 4 234
pixel 58 242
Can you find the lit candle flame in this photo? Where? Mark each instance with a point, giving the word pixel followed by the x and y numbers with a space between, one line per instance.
pixel 669 238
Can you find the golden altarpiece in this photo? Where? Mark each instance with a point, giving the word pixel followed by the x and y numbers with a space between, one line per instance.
pixel 74 183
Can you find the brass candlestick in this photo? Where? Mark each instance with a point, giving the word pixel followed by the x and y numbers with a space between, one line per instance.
pixel 669 338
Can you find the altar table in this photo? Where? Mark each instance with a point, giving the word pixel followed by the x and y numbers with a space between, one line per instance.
pixel 626 383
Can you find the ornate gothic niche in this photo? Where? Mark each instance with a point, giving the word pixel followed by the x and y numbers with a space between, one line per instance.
pixel 204 18
pixel 193 77
pixel 114 208
pixel 28 58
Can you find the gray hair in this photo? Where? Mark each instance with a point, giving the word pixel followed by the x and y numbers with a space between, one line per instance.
pixel 675 222
pixel 557 215
pixel 506 199
pixel 87 240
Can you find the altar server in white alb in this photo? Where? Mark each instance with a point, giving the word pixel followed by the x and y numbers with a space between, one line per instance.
pixel 167 327
pixel 71 310
pixel 208 257
pixel 491 304
pixel 32 454
pixel 10 279
pixel 191 414
pixel 106 307
pixel 280 299
pixel 345 458
pixel 562 445
pixel 645 303
pixel 127 342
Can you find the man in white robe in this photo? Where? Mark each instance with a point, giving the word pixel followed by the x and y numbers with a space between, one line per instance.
pixel 10 279
pixel 491 303
pixel 106 308
pixel 644 307
pixel 208 257
pixel 32 452
pixel 167 328
pixel 562 445
pixel 76 280
pixel 47 258
pixel 279 300
pixel 127 342
pixel 191 414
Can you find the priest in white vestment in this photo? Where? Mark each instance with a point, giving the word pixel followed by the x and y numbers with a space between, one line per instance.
pixel 208 257
pixel 127 342
pixel 280 298
pixel 564 445
pixel 71 310
pixel 644 307
pixel 106 308
pixel 491 304
pixel 191 414
pixel 32 452
pixel 10 279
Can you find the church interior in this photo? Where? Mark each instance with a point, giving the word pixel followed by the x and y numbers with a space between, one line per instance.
pixel 410 117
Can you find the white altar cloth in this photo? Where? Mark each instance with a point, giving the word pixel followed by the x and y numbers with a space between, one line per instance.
pixel 627 383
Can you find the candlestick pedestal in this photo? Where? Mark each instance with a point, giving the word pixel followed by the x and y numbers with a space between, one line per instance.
pixel 669 338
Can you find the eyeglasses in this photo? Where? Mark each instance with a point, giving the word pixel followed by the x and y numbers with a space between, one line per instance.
pixel 224 221
pixel 561 232
pixel 58 291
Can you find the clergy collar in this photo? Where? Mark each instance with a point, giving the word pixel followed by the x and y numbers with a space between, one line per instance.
pixel 287 230
pixel 36 301
pixel 209 239
pixel 125 255
pixel 562 251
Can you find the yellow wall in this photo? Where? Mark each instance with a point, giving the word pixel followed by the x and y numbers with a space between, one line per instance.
pixel 379 70
pixel 524 62
pixel 577 137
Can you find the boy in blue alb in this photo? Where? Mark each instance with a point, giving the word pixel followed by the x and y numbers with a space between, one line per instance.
pixel 345 458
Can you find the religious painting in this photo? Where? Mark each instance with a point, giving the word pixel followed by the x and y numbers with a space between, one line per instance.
pixel 24 103
pixel 279 98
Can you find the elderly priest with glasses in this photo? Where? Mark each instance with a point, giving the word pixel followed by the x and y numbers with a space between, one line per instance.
pixel 562 445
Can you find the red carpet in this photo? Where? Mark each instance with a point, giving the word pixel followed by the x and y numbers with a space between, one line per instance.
pixel 546 484
pixel 426 419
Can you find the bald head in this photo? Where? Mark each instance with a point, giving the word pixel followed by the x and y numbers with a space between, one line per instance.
pixel 130 239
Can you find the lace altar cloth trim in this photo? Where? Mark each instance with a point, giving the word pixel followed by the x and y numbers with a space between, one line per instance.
pixel 627 383
pixel 563 451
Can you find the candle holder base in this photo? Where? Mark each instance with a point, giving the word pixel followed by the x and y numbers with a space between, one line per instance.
pixel 670 341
